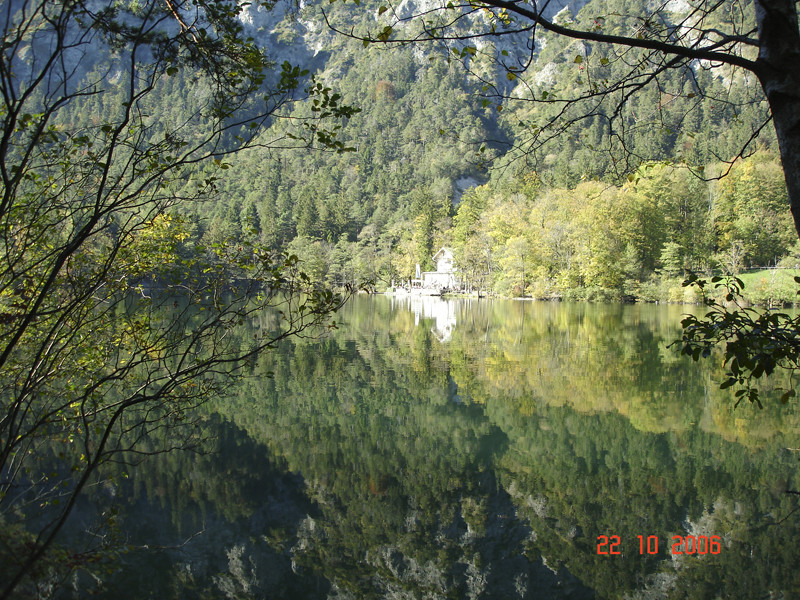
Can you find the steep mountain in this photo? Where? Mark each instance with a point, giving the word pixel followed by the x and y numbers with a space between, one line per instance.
pixel 438 118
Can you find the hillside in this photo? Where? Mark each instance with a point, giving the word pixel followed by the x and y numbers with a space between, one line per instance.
pixel 437 119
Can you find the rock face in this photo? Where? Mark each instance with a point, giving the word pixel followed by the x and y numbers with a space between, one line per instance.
pixel 409 8
pixel 302 36
pixel 297 34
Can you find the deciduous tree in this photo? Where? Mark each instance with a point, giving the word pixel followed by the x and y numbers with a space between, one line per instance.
pixel 112 324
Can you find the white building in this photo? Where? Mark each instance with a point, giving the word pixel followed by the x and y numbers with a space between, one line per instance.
pixel 445 275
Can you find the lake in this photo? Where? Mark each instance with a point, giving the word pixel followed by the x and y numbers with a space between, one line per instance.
pixel 432 448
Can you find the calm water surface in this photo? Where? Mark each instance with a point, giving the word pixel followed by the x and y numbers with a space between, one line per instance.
pixel 436 448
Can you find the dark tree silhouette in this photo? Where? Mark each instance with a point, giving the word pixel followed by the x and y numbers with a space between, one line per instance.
pixel 112 324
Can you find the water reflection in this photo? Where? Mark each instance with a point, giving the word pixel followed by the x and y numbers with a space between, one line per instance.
pixel 441 311
pixel 381 463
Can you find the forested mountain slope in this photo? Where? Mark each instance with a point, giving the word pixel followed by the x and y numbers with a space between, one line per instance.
pixel 438 119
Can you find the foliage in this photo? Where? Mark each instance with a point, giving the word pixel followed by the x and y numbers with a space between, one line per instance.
pixel 419 143
pixel 599 240
pixel 756 342
pixel 112 317
pixel 587 96
pixel 579 97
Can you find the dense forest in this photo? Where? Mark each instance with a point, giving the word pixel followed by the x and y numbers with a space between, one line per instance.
pixel 437 156
pixel 437 160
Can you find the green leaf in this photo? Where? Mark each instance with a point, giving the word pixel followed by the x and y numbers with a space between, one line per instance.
pixel 511 76
pixel 603 61
pixel 382 10
pixel 385 34
pixel 578 59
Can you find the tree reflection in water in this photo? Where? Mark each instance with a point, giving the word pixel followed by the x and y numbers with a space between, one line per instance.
pixel 387 462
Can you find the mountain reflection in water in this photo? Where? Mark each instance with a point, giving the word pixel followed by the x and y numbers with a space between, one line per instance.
pixel 434 448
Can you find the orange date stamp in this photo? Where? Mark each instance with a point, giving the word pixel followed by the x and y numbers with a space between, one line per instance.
pixel 611 545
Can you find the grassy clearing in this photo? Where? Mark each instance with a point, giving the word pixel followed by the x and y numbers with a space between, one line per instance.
pixel 771 286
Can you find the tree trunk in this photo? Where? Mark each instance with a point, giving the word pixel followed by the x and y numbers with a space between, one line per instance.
pixel 778 70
